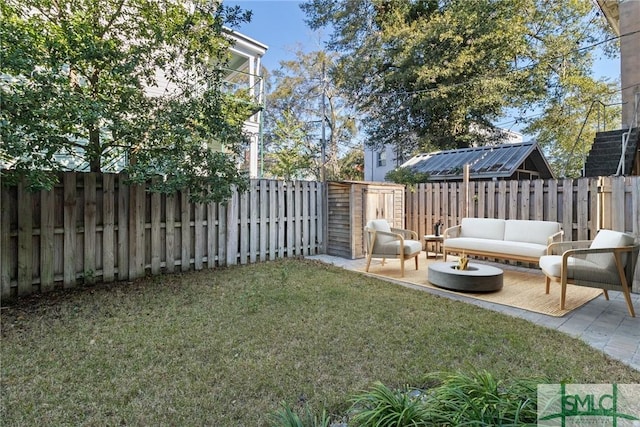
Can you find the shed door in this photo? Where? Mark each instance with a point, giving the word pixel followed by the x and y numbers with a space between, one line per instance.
pixel 379 204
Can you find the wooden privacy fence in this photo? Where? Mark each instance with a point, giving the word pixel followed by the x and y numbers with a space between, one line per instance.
pixel 582 206
pixel 94 227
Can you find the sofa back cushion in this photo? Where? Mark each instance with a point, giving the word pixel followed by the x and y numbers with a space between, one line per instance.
pixel 609 239
pixel 381 225
pixel 517 230
pixel 482 228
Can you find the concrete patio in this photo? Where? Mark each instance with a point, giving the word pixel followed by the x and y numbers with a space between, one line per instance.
pixel 605 325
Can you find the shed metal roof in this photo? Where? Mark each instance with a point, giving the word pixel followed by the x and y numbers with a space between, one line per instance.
pixel 486 162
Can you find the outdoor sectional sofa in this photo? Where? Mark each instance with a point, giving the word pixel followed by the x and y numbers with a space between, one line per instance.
pixel 520 240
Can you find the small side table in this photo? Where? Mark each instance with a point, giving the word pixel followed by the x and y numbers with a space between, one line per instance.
pixel 437 242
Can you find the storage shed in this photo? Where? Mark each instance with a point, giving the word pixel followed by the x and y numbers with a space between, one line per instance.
pixel 351 204
pixel 510 161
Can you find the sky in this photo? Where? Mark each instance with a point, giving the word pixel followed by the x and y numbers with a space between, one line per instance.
pixel 280 25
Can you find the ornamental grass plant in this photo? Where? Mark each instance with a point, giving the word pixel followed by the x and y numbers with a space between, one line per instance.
pixel 226 347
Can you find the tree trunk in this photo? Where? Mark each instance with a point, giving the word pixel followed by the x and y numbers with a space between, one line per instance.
pixel 93 150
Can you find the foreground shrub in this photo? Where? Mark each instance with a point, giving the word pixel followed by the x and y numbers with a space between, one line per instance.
pixel 479 398
pixel 384 407
pixel 450 399
pixel 287 417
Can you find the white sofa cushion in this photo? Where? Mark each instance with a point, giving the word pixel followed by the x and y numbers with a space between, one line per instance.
pixel 609 239
pixel 499 247
pixel 517 230
pixel 482 228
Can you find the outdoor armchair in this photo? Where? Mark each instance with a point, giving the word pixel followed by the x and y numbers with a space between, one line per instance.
pixel 386 242
pixel 608 262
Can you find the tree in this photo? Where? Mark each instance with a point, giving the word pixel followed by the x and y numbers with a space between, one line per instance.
pixel 567 127
pixel 300 88
pixel 295 154
pixel 352 165
pixel 438 73
pixel 99 80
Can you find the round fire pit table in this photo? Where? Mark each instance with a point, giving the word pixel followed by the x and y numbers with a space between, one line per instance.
pixel 476 278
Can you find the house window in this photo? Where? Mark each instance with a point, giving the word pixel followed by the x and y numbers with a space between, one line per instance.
pixel 381 159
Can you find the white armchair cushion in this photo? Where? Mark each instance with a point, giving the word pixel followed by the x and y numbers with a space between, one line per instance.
pixel 411 247
pixel 482 228
pixel 516 230
pixel 609 239
pixel 551 265
pixel 381 225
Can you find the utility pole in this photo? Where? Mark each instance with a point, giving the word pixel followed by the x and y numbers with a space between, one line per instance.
pixel 323 170
pixel 323 147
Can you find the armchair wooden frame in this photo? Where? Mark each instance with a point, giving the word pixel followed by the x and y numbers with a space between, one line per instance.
pixel 580 249
pixel 399 234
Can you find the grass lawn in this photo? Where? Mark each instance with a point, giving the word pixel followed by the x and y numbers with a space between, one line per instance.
pixel 225 347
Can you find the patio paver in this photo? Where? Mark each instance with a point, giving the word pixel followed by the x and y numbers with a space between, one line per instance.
pixel 605 325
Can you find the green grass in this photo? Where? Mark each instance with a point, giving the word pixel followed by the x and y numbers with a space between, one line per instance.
pixel 227 347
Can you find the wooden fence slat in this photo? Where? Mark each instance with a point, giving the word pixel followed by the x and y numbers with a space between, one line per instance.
pixel 123 228
pixel 254 214
pixel 582 212
pixel 5 232
pixel 108 229
pixel 136 231
pixel 514 187
pixel 430 214
pixel 212 235
pixel 567 208
pixel 635 207
pixel 491 200
pixel 525 201
pixel 232 229
pixel 185 232
pixel 264 205
pixel 502 199
pixel 198 235
pixel 156 219
pixel 70 230
pixel 418 225
pixel 305 218
pixel 47 222
pixel 617 199
pixel 314 188
pixel 551 213
pixel 322 199
pixel 25 241
pixel 481 200
pixel 222 234
pixel 281 218
pixel 243 199
pixel 452 212
pixel 297 225
pixel 170 233
pixel 593 208
pixel 538 200
pixel 273 231
pixel 89 259
pixel 437 207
